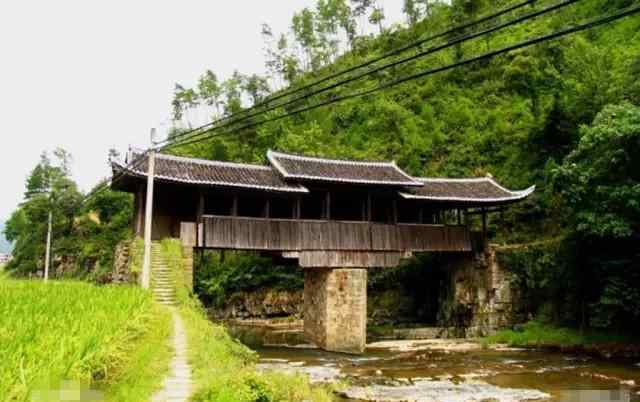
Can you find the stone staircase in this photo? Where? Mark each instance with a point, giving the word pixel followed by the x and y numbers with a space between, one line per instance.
pixel 162 278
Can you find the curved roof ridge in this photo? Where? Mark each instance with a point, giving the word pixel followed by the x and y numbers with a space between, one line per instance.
pixel 212 162
pixel 480 190
pixel 454 179
pixel 271 152
pixel 339 170
pixel 228 179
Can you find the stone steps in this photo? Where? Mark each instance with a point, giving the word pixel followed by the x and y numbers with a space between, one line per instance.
pixel 163 283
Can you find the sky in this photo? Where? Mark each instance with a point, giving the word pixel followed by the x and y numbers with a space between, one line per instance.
pixel 93 75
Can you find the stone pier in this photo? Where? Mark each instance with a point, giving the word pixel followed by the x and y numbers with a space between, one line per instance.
pixel 335 308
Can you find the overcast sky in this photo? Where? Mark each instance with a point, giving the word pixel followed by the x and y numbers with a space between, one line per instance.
pixel 90 75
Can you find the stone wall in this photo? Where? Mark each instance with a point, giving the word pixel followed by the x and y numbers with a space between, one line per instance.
pixel 121 264
pixel 262 303
pixel 479 299
pixel 335 308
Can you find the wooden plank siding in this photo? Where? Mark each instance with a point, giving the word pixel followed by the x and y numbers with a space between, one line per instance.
pixel 240 233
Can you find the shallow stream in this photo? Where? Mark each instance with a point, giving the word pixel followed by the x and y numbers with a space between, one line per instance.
pixel 447 370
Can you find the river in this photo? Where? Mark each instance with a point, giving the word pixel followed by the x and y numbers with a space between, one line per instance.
pixel 446 370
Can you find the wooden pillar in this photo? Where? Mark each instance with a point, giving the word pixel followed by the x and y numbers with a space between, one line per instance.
pixel 394 211
pixel 234 206
pixel 484 223
pixel 459 217
pixel 327 206
pixel 421 214
pixel 138 224
pixel 200 222
pixel 369 207
pixel 297 208
pixel 267 209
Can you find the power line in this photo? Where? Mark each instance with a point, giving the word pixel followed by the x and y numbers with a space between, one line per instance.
pixel 367 63
pixel 594 23
pixel 432 50
pixel 591 24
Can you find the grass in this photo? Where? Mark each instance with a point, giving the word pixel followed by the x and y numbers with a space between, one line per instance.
pixel 224 369
pixel 536 334
pixel 108 338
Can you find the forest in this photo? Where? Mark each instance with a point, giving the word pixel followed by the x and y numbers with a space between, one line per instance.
pixel 563 114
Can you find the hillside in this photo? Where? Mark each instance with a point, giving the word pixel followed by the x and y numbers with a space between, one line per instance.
pixel 526 117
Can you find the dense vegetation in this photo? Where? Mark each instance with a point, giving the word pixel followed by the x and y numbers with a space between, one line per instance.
pixel 112 339
pixel 85 231
pixel 561 115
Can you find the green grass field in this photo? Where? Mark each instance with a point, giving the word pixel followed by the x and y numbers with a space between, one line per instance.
pixel 113 339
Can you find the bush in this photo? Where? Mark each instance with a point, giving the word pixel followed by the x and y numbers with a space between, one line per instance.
pixel 220 274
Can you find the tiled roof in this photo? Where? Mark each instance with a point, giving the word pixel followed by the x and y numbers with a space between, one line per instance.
pixel 213 173
pixel 306 168
pixel 475 190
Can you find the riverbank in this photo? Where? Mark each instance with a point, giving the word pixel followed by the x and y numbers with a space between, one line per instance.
pixel 225 369
pixel 566 340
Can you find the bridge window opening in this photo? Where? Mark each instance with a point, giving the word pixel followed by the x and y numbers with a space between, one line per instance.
pixel 348 207
pixel 312 206
pixel 282 208
pixel 382 210
pixel 410 212
pixel 218 205
pixel 251 207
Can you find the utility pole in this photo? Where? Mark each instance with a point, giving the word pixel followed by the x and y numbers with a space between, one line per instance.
pixel 146 265
pixel 47 257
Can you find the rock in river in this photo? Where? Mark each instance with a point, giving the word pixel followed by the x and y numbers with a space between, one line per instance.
pixel 442 391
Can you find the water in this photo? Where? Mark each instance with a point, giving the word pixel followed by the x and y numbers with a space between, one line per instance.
pixel 447 370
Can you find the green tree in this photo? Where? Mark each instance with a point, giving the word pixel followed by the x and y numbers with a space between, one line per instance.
pixel 256 87
pixel 600 179
pixel 600 183
pixel 209 90
pixel 411 10
pixel 48 188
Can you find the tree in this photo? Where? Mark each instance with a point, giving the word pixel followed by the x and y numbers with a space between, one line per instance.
pixel 232 89
pixel 209 90
pixel 361 7
pixel 411 10
pixel 600 179
pixel 256 87
pixel 600 183
pixel 48 188
pixel 183 99
pixel 303 26
pixel 84 235
pixel 376 17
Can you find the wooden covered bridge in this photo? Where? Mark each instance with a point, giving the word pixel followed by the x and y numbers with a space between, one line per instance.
pixel 335 217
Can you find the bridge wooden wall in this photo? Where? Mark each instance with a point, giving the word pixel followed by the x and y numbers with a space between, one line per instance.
pixel 242 233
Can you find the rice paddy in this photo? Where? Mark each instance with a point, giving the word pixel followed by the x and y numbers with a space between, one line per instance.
pixel 58 332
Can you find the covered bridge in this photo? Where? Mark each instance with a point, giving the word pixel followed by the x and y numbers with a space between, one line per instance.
pixel 335 217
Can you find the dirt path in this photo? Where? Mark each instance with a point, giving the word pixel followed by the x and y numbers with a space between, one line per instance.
pixel 178 384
